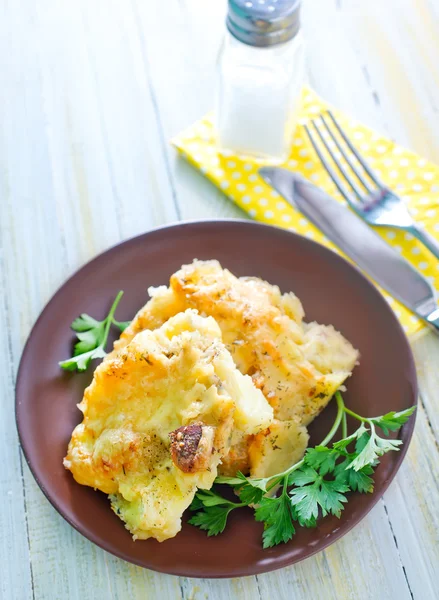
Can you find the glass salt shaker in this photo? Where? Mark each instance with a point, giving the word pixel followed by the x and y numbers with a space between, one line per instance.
pixel 260 77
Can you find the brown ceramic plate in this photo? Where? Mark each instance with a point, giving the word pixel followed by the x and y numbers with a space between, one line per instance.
pixel 331 290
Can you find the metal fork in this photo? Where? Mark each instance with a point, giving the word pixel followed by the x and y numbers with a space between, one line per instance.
pixel 366 194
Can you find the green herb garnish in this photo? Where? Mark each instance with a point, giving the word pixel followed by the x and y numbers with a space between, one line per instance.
pixel 314 487
pixel 92 336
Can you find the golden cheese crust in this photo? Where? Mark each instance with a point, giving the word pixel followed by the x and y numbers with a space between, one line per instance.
pixel 174 385
pixel 298 366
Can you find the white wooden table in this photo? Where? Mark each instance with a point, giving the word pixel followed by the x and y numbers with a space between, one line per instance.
pixel 90 93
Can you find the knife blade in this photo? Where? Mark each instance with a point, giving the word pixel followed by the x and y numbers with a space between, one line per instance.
pixel 358 241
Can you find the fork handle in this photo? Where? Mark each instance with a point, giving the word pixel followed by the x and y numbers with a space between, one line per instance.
pixel 427 239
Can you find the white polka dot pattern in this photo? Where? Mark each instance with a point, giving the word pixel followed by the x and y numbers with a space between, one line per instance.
pixel 402 170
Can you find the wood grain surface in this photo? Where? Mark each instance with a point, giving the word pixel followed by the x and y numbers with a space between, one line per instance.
pixel 90 94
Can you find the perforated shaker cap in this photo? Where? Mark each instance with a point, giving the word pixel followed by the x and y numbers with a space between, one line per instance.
pixel 263 22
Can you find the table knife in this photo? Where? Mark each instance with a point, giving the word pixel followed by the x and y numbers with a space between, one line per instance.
pixel 358 241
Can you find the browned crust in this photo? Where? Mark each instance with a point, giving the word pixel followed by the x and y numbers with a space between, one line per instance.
pixel 187 453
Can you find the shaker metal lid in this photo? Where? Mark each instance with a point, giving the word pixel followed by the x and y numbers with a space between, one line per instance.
pixel 263 22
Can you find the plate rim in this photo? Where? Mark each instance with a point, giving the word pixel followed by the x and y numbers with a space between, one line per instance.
pixel 281 562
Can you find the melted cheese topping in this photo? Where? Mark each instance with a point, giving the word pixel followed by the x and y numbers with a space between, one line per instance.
pixel 178 374
pixel 298 366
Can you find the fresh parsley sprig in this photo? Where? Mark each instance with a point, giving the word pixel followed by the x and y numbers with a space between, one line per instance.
pixel 216 509
pixel 311 488
pixel 92 336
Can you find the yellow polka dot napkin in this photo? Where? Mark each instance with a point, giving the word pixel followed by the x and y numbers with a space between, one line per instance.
pixel 415 179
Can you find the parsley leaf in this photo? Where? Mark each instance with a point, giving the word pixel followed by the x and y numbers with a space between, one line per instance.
pixel 332 497
pixel 92 336
pixel 213 511
pixel 313 492
pixel 212 519
pixel 306 503
pixel 302 476
pixel 392 421
pixel 240 479
pixel 362 440
pixel 276 515
pixel 344 443
pixel 250 491
pixel 370 447
pixel 232 481
pixel 211 498
pixel 321 458
pixel 250 494
pixel 81 362
pixel 196 503
pixel 121 324
pixel 357 481
pixel 84 322
pixel 89 340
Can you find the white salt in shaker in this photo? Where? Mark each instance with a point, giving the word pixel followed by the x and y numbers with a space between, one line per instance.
pixel 260 76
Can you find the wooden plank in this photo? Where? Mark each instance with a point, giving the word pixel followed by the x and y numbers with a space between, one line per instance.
pixel 13 522
pixel 397 44
pixel 332 62
pixel 244 588
pixel 425 350
pixel 411 504
pixel 16 192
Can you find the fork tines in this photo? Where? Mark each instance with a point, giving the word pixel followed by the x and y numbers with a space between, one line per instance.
pixel 327 134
